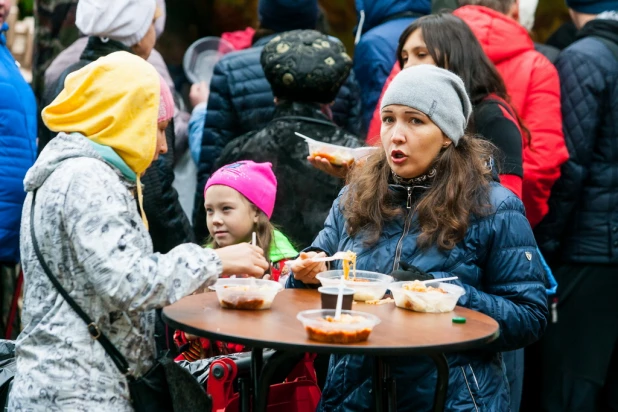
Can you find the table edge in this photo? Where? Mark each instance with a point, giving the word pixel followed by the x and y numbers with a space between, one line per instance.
pixel 333 348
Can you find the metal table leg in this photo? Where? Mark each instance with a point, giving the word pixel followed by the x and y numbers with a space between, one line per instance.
pixel 257 355
pixel 390 387
pixel 439 399
pixel 378 393
pixel 384 387
pixel 269 370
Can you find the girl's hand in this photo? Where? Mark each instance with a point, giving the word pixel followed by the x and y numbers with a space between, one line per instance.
pixel 198 93
pixel 305 270
pixel 324 165
pixel 243 258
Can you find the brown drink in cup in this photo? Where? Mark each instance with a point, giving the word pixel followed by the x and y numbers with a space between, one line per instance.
pixel 329 297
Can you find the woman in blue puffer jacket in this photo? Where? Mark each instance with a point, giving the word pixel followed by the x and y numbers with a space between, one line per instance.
pixel 426 201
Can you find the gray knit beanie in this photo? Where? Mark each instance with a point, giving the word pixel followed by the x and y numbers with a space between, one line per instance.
pixel 438 93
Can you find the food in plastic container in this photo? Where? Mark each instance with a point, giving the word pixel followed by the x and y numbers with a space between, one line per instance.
pixel 353 326
pixel 433 298
pixel 246 293
pixel 367 285
pixel 337 155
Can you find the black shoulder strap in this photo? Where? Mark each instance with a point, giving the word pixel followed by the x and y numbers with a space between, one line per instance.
pixel 119 360
pixel 613 47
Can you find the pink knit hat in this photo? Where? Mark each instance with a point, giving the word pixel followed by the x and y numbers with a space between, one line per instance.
pixel 166 102
pixel 255 181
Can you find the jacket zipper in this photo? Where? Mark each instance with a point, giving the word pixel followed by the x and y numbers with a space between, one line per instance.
pixel 476 408
pixel 406 228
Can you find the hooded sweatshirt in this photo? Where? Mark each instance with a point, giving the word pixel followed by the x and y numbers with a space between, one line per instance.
pixel 112 107
pixel 89 231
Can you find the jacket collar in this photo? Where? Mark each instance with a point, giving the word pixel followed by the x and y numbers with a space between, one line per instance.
pixel 97 48
pixel 600 27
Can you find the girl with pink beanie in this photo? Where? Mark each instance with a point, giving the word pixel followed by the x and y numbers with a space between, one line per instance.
pixel 239 199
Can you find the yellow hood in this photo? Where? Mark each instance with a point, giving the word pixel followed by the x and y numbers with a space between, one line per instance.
pixel 113 101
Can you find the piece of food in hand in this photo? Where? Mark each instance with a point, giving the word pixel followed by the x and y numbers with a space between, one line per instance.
pixel 335 159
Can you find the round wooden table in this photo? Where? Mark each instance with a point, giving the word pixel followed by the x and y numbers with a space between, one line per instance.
pixel 401 332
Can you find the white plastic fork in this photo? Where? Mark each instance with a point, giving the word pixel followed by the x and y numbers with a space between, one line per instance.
pixel 336 256
pixel 424 282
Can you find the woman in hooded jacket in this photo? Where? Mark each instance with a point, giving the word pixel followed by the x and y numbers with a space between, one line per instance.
pixel 426 202
pixel 111 118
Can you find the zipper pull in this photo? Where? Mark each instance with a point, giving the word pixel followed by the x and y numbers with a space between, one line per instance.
pixel 409 202
pixel 554 310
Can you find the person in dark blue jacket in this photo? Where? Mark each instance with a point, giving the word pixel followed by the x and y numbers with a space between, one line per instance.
pixel 17 144
pixel 380 23
pixel 242 101
pixel 579 235
pixel 427 203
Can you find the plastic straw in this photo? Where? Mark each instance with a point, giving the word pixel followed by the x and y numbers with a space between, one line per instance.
pixel 339 300
pixel 254 243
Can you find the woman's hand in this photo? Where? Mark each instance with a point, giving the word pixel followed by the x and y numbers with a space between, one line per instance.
pixel 324 165
pixel 243 258
pixel 305 270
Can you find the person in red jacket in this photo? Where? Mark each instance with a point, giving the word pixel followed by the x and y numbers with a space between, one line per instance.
pixel 440 40
pixel 533 84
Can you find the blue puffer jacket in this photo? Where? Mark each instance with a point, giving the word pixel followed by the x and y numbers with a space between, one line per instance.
pixel 375 54
pixel 582 223
pixel 497 264
pixel 17 148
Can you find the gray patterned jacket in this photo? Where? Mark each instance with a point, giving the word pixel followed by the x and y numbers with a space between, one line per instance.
pixel 93 239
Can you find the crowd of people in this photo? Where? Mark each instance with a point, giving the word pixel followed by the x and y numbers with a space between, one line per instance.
pixel 495 160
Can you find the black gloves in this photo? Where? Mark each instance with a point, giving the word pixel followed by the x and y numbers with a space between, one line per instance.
pixel 408 273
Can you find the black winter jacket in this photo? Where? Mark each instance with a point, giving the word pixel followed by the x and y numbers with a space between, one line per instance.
pixel 241 101
pixel 169 226
pixel 304 194
pixel 582 224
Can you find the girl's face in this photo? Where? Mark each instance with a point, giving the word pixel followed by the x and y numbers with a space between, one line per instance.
pixel 161 140
pixel 414 51
pixel 410 139
pixel 230 217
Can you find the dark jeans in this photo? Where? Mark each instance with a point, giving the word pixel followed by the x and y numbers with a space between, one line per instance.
pixel 580 351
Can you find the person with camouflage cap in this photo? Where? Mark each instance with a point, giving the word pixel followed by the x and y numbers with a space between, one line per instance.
pixel 305 70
